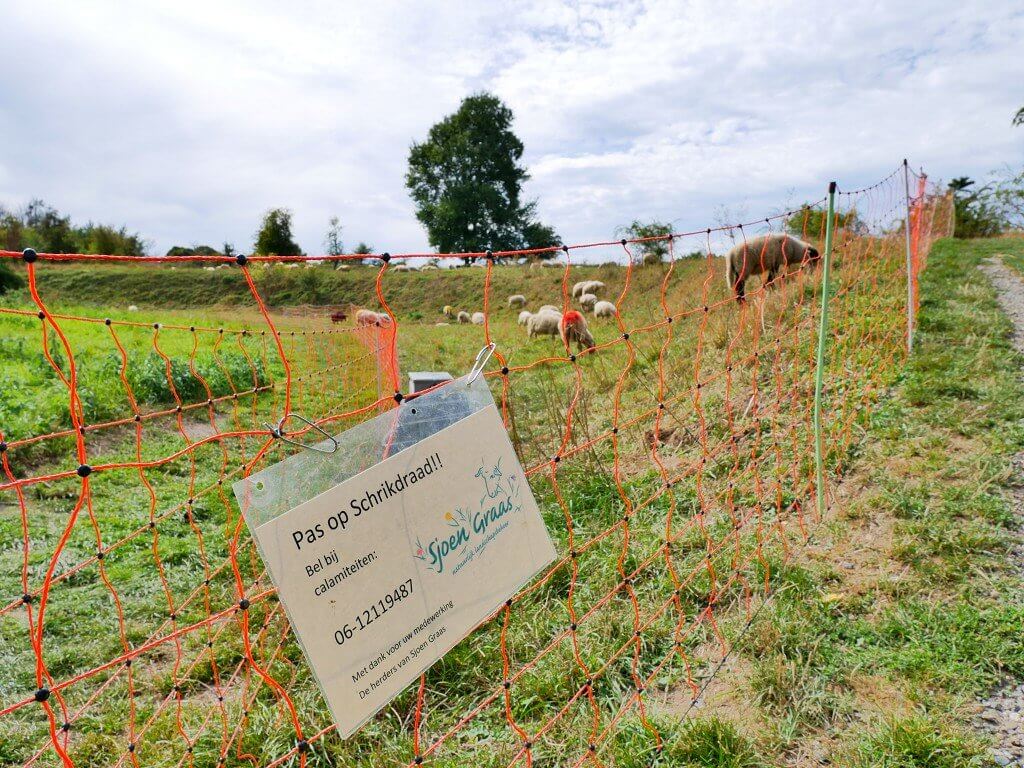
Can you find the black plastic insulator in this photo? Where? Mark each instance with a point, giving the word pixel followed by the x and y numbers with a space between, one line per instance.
pixel 243 604
pixel 302 745
pixel 84 470
pixel 29 255
pixel 385 257
pixel 42 694
pixel 240 259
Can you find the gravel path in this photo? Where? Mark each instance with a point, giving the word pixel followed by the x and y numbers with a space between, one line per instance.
pixel 1001 715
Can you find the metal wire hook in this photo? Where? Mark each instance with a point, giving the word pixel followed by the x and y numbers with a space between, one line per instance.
pixel 481 360
pixel 278 432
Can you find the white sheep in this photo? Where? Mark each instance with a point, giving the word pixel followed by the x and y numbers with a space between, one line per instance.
pixel 550 308
pixel 516 300
pixel 478 318
pixel 543 324
pixel 594 286
pixel 401 268
pixel 440 324
pixel 524 316
pixel 132 308
pixel 577 289
pixel 209 269
pixel 587 300
pixel 605 309
pixel 463 317
pixel 366 317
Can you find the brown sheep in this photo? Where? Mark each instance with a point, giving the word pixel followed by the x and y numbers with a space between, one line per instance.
pixel 765 254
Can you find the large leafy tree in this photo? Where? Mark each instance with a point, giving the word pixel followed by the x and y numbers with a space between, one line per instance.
pixel 275 235
pixel 466 181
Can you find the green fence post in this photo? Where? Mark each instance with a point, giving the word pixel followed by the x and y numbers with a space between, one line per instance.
pixel 826 277
pixel 911 320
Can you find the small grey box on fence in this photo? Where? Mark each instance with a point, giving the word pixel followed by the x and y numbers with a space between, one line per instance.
pixel 420 380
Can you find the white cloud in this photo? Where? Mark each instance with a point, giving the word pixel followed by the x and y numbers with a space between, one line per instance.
pixel 185 121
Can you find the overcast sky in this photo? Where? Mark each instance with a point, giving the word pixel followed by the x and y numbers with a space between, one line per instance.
pixel 187 120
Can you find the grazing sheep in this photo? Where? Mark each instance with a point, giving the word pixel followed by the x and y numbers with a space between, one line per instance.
pixel 339 316
pixel 463 317
pixel 577 289
pixel 594 286
pixel 587 300
pixel 605 309
pixel 572 326
pixel 209 269
pixel 366 317
pixel 401 268
pixel 543 324
pixel 339 267
pixel 551 308
pixel 132 308
pixel 516 300
pixel 524 316
pixel 440 324
pixel 478 318
pixel 448 311
pixel 765 254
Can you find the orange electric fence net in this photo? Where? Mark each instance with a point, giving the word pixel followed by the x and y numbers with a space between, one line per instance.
pixel 673 462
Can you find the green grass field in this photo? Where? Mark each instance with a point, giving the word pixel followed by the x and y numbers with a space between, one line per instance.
pixel 936 635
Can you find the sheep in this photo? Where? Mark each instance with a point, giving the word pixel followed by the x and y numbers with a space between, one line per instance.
pixel 448 311
pixel 524 316
pixel 209 269
pixel 463 317
pixel 441 324
pixel 605 309
pixel 550 308
pixel 765 253
pixel 132 308
pixel 478 318
pixel 401 268
pixel 586 286
pixel 365 317
pixel 543 324
pixel 587 300
pixel 516 300
pixel 572 326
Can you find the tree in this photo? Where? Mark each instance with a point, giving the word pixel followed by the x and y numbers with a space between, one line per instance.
pixel 977 212
pixel 52 232
pixel 195 250
pixel 41 226
pixel 466 180
pixel 810 222
pixel 1018 119
pixel 652 251
pixel 333 246
pixel 537 235
pixel 275 235
pixel 363 250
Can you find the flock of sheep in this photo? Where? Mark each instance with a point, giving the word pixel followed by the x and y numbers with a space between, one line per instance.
pixel 550 320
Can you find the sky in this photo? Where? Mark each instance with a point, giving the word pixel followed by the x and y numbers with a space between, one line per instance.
pixel 186 121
